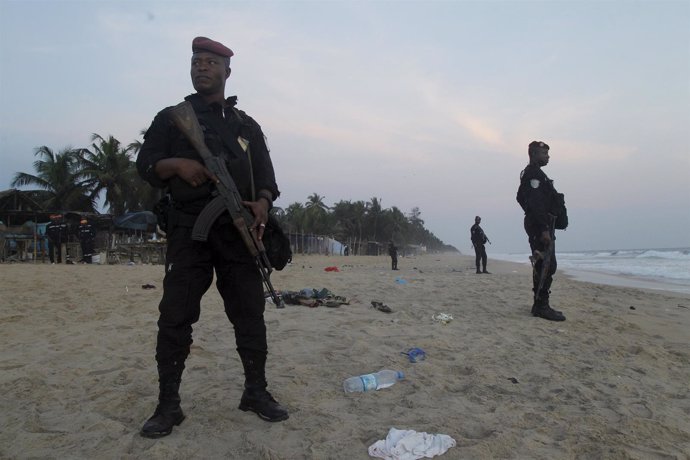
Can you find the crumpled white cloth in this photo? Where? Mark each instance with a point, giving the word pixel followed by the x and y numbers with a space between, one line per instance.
pixel 410 445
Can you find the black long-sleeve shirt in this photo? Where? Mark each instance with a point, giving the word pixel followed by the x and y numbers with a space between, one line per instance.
pixel 537 197
pixel 86 232
pixel 57 232
pixel 477 235
pixel 163 140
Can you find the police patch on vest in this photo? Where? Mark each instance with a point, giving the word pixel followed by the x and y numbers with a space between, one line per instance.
pixel 534 183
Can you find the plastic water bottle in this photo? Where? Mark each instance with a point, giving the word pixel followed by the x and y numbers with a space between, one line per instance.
pixel 381 379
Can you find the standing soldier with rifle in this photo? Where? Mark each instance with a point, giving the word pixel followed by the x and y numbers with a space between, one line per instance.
pixel 479 240
pixel 168 159
pixel 544 212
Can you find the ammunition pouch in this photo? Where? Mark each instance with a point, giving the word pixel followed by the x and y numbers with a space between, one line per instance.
pixel 561 212
pixel 161 210
pixel 277 244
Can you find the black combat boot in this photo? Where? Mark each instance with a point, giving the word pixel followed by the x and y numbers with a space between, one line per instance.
pixel 542 309
pixel 168 412
pixel 255 397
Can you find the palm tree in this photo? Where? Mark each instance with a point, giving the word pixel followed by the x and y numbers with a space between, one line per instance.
pixel 140 196
pixel 315 201
pixel 56 176
pixel 316 214
pixel 374 212
pixel 349 219
pixel 108 167
pixel 136 145
pixel 294 218
pixel 395 225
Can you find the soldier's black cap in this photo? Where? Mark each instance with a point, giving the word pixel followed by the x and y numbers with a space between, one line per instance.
pixel 537 145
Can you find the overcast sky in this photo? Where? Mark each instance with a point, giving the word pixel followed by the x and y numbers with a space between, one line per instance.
pixel 421 104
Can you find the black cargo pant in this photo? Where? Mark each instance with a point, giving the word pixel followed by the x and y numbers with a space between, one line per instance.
pixel 536 244
pixel 54 251
pixel 189 274
pixel 394 261
pixel 87 247
pixel 480 255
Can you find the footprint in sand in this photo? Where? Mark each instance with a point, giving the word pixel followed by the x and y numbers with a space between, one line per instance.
pixel 640 410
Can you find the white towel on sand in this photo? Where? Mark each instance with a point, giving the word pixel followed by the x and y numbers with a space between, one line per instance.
pixel 410 445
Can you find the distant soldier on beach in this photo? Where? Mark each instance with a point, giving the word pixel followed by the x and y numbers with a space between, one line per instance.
pixel 393 252
pixel 56 231
pixel 479 239
pixel 87 234
pixel 544 212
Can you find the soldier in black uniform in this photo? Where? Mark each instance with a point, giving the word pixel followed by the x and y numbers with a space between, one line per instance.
pixel 56 231
pixel 540 201
pixel 86 240
pixel 479 239
pixel 168 160
pixel 393 252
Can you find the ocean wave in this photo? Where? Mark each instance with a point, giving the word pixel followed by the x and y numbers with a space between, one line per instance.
pixel 653 264
pixel 675 255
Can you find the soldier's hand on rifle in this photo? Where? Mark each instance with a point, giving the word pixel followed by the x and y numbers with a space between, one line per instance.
pixel 260 211
pixel 194 173
pixel 190 171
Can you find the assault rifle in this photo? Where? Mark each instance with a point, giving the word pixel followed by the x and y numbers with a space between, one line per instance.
pixel 227 197
pixel 546 255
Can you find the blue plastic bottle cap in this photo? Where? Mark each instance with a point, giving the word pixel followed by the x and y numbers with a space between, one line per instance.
pixel 401 375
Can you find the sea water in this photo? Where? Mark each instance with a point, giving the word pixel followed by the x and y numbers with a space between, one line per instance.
pixel 667 267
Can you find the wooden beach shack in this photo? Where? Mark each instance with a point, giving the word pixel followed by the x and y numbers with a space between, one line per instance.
pixel 128 238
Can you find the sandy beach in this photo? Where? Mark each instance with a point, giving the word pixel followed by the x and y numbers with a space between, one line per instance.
pixel 79 377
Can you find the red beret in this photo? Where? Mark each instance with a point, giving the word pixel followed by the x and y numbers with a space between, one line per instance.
pixel 206 44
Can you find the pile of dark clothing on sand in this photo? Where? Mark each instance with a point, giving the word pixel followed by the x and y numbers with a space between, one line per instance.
pixel 313 298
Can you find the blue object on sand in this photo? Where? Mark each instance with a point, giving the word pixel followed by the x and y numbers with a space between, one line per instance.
pixel 415 354
pixel 400 281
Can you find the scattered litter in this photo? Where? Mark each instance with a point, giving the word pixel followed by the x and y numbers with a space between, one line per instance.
pixel 410 445
pixel 415 354
pixel 148 286
pixel 381 306
pixel 631 307
pixel 400 281
pixel 443 318
pixel 307 292
pixel 331 269
pixel 313 298
pixel 513 379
